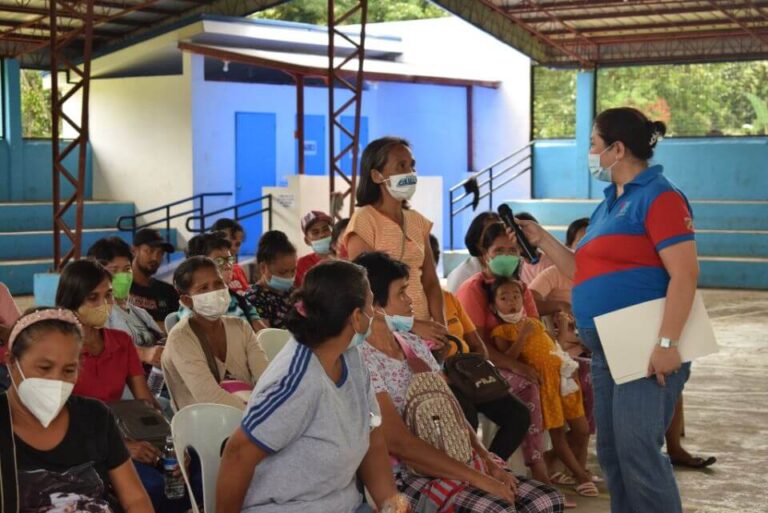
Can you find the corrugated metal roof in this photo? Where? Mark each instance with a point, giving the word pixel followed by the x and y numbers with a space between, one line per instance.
pixel 562 33
pixel 589 33
pixel 25 25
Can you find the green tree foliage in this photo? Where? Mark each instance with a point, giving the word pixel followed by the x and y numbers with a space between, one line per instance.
pixel 554 103
pixel 35 105
pixel 315 11
pixel 692 99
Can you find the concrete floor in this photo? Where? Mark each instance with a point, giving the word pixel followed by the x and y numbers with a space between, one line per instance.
pixel 726 412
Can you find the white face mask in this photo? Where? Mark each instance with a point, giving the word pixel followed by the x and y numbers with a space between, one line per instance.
pixel 512 318
pixel 403 186
pixel 598 172
pixel 211 305
pixel 44 398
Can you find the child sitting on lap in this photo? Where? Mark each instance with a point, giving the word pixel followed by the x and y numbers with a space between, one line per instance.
pixel 526 339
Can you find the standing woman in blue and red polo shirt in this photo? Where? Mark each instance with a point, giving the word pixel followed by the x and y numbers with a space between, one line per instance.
pixel 639 246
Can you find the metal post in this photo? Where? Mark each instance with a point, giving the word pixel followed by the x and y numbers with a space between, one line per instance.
pixel 450 210
pixel 270 211
pixel 490 189
pixel 352 82
pixel 470 131
pixel 300 121
pixel 202 213
pixel 63 42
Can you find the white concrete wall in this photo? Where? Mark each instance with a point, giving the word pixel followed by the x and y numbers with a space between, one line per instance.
pixel 142 139
pixel 305 193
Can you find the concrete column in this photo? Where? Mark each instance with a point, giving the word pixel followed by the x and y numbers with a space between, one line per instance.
pixel 585 116
pixel 12 172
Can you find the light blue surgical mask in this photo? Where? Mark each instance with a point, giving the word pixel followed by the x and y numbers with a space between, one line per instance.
pixel 281 284
pixel 321 246
pixel 359 338
pixel 598 172
pixel 400 323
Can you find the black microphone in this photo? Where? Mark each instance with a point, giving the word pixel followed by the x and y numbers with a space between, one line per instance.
pixel 529 251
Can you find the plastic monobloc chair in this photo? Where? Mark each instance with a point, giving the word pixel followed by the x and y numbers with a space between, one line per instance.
pixel 204 428
pixel 272 340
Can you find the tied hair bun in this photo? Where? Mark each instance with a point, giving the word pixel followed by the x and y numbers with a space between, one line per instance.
pixel 658 129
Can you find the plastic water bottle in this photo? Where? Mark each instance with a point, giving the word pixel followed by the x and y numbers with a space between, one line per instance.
pixel 174 481
pixel 155 381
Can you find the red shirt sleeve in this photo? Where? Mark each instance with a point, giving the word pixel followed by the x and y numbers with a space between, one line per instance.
pixel 669 220
pixel 133 364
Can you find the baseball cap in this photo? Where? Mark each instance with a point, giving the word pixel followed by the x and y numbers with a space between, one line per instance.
pixel 312 217
pixel 152 238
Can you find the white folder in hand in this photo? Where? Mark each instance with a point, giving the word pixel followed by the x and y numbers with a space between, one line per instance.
pixel 630 334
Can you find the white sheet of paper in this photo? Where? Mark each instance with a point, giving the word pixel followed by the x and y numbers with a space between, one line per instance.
pixel 630 334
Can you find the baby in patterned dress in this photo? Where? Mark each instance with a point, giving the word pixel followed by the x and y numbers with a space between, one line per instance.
pixel 526 339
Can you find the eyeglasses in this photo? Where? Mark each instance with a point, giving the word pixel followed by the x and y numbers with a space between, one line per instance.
pixel 224 261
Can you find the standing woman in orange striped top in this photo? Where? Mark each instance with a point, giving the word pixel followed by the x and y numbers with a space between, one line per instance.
pixel 385 222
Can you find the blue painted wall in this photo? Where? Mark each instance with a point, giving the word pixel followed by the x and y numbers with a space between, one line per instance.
pixel 26 164
pixel 433 118
pixel 705 168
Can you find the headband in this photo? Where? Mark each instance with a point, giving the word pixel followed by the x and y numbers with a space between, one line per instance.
pixel 50 314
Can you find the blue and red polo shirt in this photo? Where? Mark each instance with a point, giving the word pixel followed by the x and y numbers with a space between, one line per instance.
pixel 617 261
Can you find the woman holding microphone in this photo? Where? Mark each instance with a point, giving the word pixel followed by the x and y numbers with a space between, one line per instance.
pixel 639 246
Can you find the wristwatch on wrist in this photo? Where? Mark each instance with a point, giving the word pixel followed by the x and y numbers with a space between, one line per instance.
pixel 666 343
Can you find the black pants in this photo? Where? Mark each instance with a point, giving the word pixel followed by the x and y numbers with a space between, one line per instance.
pixel 511 415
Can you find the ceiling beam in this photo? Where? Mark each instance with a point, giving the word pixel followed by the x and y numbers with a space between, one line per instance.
pixel 614 40
pixel 651 26
pixel 626 12
pixel 21 9
pixel 124 5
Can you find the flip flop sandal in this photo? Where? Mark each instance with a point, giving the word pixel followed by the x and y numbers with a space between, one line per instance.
pixel 568 504
pixel 695 462
pixel 587 489
pixel 561 478
pixel 597 479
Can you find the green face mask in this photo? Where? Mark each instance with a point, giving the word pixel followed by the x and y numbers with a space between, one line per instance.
pixel 504 265
pixel 121 285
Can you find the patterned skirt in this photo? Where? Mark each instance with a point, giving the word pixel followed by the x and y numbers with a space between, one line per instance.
pixel 429 495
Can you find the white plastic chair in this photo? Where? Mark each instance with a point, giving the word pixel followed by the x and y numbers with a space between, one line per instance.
pixel 204 427
pixel 171 320
pixel 272 340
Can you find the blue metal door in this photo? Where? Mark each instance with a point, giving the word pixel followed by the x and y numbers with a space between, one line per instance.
pixel 255 167
pixel 315 162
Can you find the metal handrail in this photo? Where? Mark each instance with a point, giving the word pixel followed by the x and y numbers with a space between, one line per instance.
pixel 487 180
pixel 199 209
pixel 237 217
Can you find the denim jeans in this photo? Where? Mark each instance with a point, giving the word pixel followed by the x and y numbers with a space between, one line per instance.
pixel 631 422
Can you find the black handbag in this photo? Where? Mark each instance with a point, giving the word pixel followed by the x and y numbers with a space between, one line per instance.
pixel 475 376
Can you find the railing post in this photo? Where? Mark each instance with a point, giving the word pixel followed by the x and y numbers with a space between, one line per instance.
pixel 490 192
pixel 168 231
pixel 269 196
pixel 450 199
pixel 202 213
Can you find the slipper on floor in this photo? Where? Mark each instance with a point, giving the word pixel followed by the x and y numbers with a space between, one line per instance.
pixel 561 478
pixel 569 504
pixel 597 479
pixel 695 462
pixel 588 489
